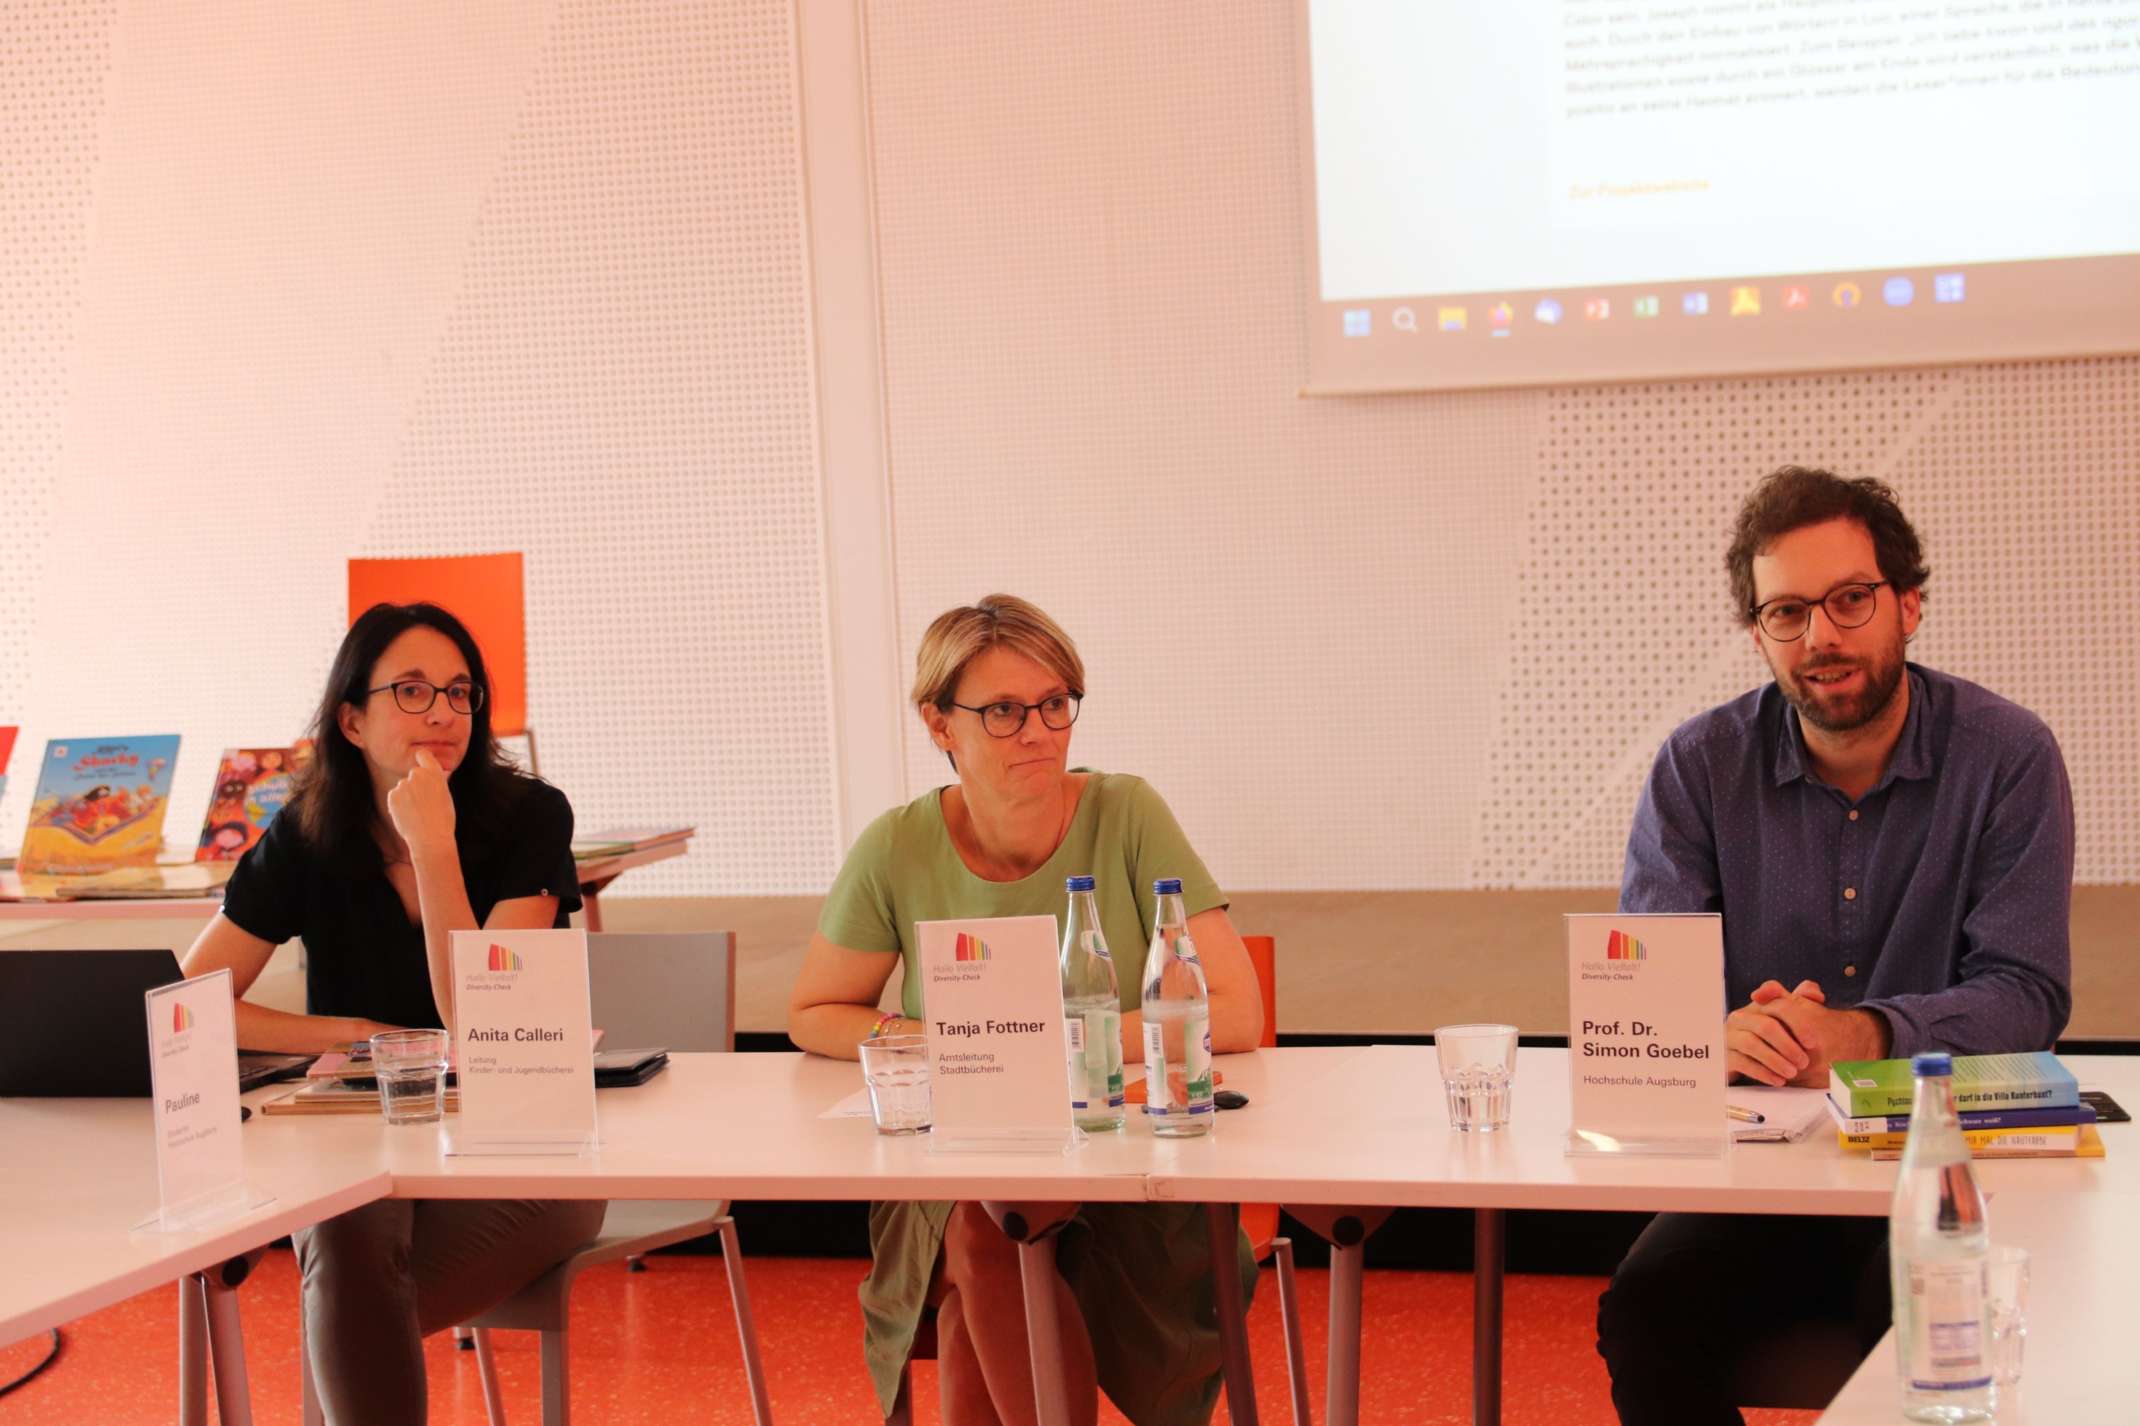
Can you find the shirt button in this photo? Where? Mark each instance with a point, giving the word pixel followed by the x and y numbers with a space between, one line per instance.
pixel 1850 893
pixel 1853 814
pixel 1850 970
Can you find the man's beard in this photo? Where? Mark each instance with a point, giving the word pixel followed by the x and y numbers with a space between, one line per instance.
pixel 1881 676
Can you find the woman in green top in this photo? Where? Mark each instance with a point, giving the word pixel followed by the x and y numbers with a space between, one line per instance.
pixel 998 685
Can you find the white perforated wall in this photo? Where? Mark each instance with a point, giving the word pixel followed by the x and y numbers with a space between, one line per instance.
pixel 287 284
pixel 1412 641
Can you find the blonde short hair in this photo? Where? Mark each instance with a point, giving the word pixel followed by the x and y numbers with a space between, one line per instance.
pixel 958 636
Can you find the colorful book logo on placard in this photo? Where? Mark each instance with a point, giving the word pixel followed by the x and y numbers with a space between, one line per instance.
pixel 181 1018
pixel 969 948
pixel 503 959
pixel 1619 946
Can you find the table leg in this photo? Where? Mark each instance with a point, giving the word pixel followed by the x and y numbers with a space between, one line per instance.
pixel 1036 1274
pixel 192 1351
pixel 1222 1221
pixel 1489 1241
pixel 1347 1230
pixel 226 1345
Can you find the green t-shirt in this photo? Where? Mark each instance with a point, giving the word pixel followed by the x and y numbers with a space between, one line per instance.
pixel 904 869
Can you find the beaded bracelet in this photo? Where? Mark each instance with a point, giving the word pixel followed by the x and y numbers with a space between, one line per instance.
pixel 884 1022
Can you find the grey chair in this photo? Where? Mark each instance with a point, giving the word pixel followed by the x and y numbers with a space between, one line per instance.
pixel 675 991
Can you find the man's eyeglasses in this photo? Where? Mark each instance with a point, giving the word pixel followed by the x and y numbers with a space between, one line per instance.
pixel 413 695
pixel 1004 720
pixel 1848 606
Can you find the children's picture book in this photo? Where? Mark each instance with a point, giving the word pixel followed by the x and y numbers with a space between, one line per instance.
pixel 100 804
pixel 251 785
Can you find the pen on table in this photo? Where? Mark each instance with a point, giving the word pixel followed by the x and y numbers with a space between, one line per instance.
pixel 1744 1116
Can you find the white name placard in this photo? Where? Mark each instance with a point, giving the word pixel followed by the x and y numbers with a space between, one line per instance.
pixel 523 1043
pixel 193 1075
pixel 992 1008
pixel 1646 1035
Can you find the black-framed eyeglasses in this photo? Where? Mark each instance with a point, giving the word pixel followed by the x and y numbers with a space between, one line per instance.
pixel 1848 606
pixel 414 695
pixel 1005 719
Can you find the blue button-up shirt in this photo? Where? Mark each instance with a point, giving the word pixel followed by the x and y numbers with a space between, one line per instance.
pixel 1941 899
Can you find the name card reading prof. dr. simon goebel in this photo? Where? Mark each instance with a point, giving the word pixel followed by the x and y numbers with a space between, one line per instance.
pixel 1646 1035
pixel 992 1008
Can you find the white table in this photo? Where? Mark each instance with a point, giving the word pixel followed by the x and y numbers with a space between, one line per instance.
pixel 78 1178
pixel 2077 1369
pixel 1371 1133
pixel 1327 1130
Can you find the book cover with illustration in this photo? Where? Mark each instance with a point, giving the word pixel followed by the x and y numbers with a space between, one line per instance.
pixel 251 786
pixel 99 804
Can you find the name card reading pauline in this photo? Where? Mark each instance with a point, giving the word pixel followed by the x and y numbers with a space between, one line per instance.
pixel 193 1077
pixel 524 1043
pixel 992 1008
pixel 1646 1035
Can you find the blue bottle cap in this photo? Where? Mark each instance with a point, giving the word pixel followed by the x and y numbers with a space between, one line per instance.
pixel 1167 886
pixel 1932 1062
pixel 1080 883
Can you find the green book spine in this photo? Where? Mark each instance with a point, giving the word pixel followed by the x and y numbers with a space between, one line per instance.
pixel 2019 1081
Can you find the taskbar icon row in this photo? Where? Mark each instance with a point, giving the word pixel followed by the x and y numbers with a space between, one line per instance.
pixel 1733 300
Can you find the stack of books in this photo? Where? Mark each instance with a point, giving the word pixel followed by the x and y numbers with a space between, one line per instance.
pixel 2024 1106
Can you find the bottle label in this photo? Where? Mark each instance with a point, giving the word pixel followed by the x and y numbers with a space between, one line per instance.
pixel 1074 1027
pixel 1095 1055
pixel 1188 1088
pixel 1947 1326
pixel 1155 1067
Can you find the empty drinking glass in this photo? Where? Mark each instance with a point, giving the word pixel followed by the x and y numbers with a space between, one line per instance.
pixel 896 1068
pixel 411 1068
pixel 2007 1309
pixel 1478 1061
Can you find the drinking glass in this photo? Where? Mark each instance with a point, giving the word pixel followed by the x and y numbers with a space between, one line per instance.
pixel 1478 1062
pixel 896 1068
pixel 2008 1311
pixel 411 1068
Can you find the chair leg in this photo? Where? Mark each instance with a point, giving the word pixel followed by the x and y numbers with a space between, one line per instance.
pixel 464 1337
pixel 746 1325
pixel 635 1263
pixel 487 1374
pixel 556 1379
pixel 1296 1352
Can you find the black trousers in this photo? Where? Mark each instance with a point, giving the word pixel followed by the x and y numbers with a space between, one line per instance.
pixel 1697 1289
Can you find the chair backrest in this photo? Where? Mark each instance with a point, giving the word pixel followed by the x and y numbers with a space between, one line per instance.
pixel 1263 955
pixel 675 990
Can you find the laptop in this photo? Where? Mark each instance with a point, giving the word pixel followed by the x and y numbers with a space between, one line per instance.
pixel 72 1024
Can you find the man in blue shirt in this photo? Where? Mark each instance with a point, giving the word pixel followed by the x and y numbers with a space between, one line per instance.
pixel 1892 852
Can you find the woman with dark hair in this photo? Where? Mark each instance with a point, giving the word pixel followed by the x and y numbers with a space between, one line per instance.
pixel 406 827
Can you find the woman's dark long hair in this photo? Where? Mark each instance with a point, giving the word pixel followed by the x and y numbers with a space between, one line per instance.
pixel 333 800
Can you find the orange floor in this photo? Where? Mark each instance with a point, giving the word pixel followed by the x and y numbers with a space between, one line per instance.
pixel 660 1347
